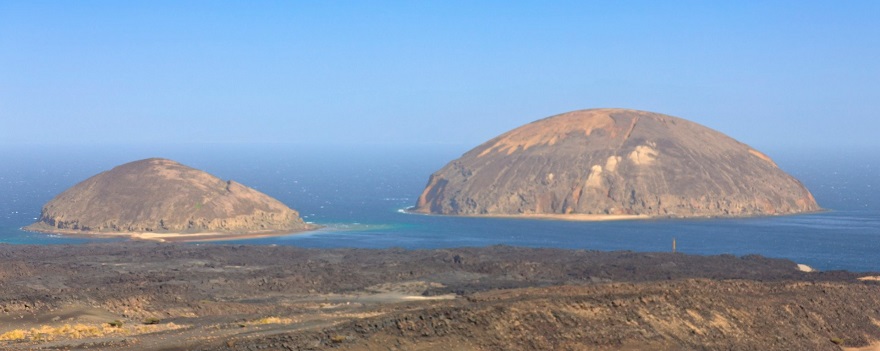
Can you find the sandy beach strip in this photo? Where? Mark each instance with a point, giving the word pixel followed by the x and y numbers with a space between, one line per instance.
pixel 174 237
pixel 566 217
pixel 580 217
pixel 577 217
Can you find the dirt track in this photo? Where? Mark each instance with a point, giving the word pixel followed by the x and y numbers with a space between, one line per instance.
pixel 185 297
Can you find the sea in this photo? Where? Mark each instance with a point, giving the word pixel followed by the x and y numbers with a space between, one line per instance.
pixel 359 195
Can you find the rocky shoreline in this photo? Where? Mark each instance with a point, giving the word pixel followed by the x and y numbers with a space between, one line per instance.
pixel 146 296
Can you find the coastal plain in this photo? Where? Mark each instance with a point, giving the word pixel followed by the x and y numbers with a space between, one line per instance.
pixel 151 296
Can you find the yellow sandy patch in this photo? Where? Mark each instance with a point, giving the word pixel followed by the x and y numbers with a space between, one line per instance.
pixel 270 320
pixel 643 155
pixel 81 331
pixel 594 180
pixel 611 164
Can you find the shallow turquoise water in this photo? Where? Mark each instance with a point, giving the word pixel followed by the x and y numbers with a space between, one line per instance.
pixel 357 194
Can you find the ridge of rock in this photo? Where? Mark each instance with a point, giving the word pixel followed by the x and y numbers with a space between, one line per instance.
pixel 614 162
pixel 163 196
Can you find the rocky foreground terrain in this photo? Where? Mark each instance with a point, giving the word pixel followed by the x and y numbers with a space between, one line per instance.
pixel 141 296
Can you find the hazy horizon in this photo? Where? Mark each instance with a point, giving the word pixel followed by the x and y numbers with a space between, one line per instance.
pixel 775 75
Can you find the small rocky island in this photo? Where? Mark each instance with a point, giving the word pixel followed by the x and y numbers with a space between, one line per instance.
pixel 614 164
pixel 160 199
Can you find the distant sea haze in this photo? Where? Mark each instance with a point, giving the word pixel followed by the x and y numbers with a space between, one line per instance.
pixel 357 194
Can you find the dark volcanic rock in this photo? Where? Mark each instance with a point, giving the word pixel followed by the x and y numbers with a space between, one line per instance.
pixel 159 195
pixel 617 162
pixel 508 298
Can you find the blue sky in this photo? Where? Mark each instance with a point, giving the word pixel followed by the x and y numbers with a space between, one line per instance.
pixel 772 74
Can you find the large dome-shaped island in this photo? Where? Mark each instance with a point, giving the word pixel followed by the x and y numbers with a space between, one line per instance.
pixel 613 164
pixel 161 199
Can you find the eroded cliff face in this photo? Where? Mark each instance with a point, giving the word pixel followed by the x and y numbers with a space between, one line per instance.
pixel 159 195
pixel 614 161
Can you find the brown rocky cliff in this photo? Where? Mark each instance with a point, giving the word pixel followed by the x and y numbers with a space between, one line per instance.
pixel 614 161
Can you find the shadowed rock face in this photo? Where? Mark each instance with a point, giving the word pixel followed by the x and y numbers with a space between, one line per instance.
pixel 159 195
pixel 614 161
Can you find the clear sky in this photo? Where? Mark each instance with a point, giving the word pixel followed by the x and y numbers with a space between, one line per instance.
pixel 769 73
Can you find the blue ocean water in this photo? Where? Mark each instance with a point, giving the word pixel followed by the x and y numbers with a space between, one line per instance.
pixel 357 193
